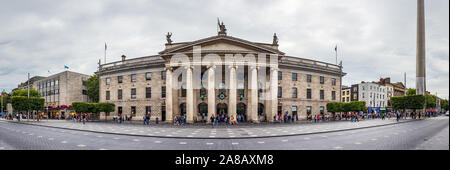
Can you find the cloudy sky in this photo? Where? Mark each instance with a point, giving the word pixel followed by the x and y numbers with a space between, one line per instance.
pixel 376 38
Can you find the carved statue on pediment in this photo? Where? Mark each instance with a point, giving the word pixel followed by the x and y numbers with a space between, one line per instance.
pixel 223 29
pixel 168 36
pixel 275 39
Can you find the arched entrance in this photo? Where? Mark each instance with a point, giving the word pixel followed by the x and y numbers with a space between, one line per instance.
pixel 183 109
pixel 222 109
pixel 261 114
pixel 242 112
pixel 203 112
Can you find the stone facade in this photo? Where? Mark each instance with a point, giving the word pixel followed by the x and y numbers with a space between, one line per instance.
pixel 62 89
pixel 245 95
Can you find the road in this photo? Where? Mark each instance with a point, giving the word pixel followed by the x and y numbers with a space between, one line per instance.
pixel 430 134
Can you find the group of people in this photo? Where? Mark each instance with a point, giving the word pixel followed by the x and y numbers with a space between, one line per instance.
pixel 83 117
pixel 216 120
pixel 121 119
pixel 179 120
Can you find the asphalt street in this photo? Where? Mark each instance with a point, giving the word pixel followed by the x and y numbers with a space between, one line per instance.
pixel 430 134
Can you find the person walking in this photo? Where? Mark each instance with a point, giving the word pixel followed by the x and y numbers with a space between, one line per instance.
pixel 212 121
pixel 84 118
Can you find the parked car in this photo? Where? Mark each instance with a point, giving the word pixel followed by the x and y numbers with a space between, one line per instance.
pixel 446 113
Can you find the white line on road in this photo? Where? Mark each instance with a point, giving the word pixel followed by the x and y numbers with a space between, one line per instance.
pixel 235 143
pixel 136 140
pixel 63 141
pixel 261 142
pixel 358 143
pixel 284 140
pixel 81 145
pixel 210 143
pixel 158 142
pixel 183 143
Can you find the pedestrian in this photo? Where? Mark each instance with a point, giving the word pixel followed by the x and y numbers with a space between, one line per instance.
pixel 84 118
pixel 212 121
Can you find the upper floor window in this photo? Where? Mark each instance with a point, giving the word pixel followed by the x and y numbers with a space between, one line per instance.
pixel 133 93
pixel 280 75
pixel 119 79
pixel 148 76
pixel 333 95
pixel 333 82
pixel 107 95
pixel 163 91
pixel 163 75
pixel 108 81
pixel 294 93
pixel 308 94
pixel 133 78
pixel 279 92
pixel 294 76
pixel 322 95
pixel 309 78
pixel 148 92
pixel 119 94
pixel 322 80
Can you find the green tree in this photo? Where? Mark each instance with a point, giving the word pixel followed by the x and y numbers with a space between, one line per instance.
pixel 24 93
pixel 398 103
pixel 107 108
pixel 411 92
pixel 415 102
pixel 430 101
pixel 444 104
pixel 92 86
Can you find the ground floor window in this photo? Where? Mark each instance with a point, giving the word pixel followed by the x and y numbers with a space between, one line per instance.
pixel 133 110
pixel 294 110
pixel 280 110
pixel 322 110
pixel 308 110
pixel 148 110
pixel 119 110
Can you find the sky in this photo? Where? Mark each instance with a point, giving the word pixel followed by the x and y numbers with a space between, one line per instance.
pixel 375 38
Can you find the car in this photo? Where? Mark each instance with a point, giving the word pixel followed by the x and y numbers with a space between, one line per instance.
pixel 446 113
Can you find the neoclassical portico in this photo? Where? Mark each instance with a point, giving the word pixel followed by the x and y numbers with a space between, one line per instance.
pixel 232 56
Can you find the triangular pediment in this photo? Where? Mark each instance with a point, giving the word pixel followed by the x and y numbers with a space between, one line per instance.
pixel 223 44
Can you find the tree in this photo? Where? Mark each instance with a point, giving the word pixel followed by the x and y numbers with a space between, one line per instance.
pixel 80 107
pixel 24 93
pixel 411 92
pixel 415 102
pixel 444 104
pixel 430 101
pixel 92 86
pixel 107 108
pixel 398 103
pixel 19 103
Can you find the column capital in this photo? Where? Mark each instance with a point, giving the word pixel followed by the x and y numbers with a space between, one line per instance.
pixel 232 66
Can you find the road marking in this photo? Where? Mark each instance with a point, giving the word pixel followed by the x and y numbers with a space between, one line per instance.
pixel 338 147
pixel 100 136
pixel 81 145
pixel 116 138
pixel 102 149
pixel 183 143
pixel 63 141
pixel 261 142
pixel 210 143
pixel 235 143
pixel 212 136
pixel 190 136
pixel 168 135
pixel 284 140
pixel 158 142
pixel 374 139
pixel 136 140
pixel 358 143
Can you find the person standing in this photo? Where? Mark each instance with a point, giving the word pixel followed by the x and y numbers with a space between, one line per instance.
pixel 212 121
pixel 84 118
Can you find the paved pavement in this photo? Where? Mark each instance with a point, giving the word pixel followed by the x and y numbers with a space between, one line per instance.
pixel 221 132
pixel 427 134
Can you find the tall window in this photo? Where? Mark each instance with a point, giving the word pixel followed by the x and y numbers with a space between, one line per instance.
pixel 322 80
pixel 309 78
pixel 133 78
pixel 108 81
pixel 294 110
pixel 279 92
pixel 148 110
pixel 107 95
pixel 163 75
pixel 119 94
pixel 148 92
pixel 294 93
pixel 133 110
pixel 333 95
pixel 333 82
pixel 133 93
pixel 119 110
pixel 322 95
pixel 280 75
pixel 119 79
pixel 163 91
pixel 308 93
pixel 183 91
pixel 322 110
pixel 294 76
pixel 148 76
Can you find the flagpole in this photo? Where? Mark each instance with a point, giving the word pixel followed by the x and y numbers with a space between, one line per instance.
pixel 105 53
pixel 336 55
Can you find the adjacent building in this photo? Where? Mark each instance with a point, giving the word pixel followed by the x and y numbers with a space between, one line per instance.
pixel 30 83
pixel 60 91
pixel 346 95
pixel 153 84
pixel 374 94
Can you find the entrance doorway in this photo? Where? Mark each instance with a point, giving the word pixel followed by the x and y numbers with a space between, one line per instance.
pixel 203 111
pixel 261 114
pixel 163 113
pixel 242 112
pixel 183 109
pixel 222 109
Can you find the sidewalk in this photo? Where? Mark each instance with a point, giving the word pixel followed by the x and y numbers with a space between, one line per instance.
pixel 204 131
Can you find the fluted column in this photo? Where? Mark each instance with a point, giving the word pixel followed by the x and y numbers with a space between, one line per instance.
pixel 169 96
pixel 189 96
pixel 232 104
pixel 254 95
pixel 211 93
pixel 273 93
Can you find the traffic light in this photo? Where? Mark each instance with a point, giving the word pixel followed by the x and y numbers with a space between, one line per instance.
pixel 202 96
pixel 241 96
